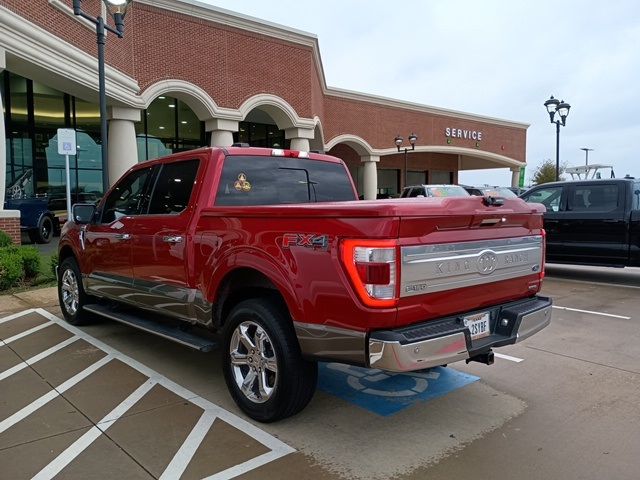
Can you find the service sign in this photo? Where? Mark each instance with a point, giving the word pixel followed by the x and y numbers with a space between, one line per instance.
pixel 66 141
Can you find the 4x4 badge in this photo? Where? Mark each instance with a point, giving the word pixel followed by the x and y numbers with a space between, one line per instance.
pixel 308 240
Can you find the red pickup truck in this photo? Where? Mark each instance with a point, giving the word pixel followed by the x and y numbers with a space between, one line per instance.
pixel 272 252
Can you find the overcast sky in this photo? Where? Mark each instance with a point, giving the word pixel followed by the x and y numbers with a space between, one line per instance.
pixel 497 58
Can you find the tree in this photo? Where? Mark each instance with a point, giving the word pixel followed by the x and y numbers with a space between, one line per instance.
pixel 546 172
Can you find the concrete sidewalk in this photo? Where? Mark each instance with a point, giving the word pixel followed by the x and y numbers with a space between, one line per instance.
pixel 35 298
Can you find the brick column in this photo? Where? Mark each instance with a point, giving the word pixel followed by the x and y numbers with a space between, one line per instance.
pixel 370 187
pixel 123 145
pixel 221 131
pixel 10 224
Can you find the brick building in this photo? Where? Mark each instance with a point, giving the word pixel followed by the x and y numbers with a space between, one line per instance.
pixel 208 76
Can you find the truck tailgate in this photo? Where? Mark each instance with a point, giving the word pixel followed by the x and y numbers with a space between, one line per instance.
pixel 466 261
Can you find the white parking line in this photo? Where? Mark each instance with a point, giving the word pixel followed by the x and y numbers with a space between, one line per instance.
pixel 569 309
pixel 509 357
pixel 185 453
pixel 37 358
pixel 278 448
pixel 35 329
pixel 47 397
pixel 80 445
pixel 8 318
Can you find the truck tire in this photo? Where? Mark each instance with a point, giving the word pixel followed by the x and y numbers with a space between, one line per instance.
pixel 71 294
pixel 44 232
pixel 263 367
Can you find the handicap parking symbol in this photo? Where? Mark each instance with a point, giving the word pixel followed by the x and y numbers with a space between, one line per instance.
pixel 386 393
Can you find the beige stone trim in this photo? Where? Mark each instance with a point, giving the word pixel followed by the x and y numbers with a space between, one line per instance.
pixel 67 10
pixel 28 43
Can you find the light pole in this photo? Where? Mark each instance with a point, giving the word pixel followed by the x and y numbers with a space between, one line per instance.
pixel 412 140
pixel 586 156
pixel 117 9
pixel 562 109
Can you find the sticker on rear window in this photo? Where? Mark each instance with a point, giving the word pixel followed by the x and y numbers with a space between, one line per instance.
pixel 242 184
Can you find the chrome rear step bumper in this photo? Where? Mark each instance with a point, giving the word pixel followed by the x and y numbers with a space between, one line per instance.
pixel 444 341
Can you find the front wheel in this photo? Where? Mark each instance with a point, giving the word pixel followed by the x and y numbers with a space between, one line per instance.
pixel 263 367
pixel 71 294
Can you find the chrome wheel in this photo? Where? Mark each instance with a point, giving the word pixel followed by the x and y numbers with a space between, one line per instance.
pixel 253 362
pixel 70 291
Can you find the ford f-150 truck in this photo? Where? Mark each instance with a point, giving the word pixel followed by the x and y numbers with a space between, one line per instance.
pixel 272 252
pixel 591 222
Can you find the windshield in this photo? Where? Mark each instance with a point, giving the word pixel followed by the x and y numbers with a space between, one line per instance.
pixel 498 192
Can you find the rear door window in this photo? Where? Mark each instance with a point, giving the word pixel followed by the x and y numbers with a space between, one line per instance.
pixel 417 191
pixel 594 198
pixel 276 180
pixel 173 188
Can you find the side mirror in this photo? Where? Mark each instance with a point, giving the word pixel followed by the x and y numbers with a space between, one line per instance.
pixel 83 213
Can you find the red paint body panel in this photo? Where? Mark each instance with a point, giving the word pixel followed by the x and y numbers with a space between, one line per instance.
pixel 313 281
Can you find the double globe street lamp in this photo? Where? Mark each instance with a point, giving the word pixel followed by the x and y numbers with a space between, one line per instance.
pixel 562 109
pixel 117 9
pixel 412 140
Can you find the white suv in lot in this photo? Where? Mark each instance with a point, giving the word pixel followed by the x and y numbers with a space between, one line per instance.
pixel 434 191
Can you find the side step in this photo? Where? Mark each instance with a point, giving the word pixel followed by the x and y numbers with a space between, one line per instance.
pixel 170 333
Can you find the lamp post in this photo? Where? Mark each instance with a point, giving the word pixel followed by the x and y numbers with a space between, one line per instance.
pixel 117 9
pixel 562 109
pixel 412 140
pixel 586 156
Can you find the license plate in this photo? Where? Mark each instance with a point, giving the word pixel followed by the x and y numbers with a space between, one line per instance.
pixel 478 325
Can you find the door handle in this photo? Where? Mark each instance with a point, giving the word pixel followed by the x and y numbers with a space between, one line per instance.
pixel 123 236
pixel 172 239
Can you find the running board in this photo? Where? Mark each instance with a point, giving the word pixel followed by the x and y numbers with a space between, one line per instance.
pixel 165 331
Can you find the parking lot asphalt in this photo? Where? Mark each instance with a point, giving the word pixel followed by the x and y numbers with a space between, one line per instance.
pixel 112 401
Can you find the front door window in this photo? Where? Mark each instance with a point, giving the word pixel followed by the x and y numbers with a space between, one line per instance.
pixel 128 197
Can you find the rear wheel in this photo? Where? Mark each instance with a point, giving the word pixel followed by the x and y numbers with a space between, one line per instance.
pixel 263 367
pixel 71 294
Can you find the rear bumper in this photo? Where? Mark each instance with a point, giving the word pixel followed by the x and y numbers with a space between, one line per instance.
pixel 447 340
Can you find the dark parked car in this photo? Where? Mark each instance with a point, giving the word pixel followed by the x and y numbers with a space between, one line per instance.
pixel 591 222
pixel 36 218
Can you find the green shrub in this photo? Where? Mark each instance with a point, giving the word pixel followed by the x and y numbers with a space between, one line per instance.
pixel 5 240
pixel 30 261
pixel 54 263
pixel 11 269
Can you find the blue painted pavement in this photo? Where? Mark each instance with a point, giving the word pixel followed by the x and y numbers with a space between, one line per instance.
pixel 386 393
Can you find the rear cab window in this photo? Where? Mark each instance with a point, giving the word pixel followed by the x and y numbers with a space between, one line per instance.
pixel 257 180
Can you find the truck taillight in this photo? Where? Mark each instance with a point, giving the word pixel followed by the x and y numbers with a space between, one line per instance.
pixel 544 254
pixel 373 268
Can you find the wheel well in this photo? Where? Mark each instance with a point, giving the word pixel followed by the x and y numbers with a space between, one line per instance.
pixel 66 252
pixel 240 285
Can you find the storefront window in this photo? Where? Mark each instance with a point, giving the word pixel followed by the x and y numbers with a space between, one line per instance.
pixel 388 183
pixel 416 178
pixel 34 112
pixel 261 135
pixel 168 126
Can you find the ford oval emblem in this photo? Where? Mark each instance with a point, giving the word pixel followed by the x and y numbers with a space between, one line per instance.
pixel 487 262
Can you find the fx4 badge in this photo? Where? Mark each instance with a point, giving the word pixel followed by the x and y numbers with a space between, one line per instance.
pixel 308 240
